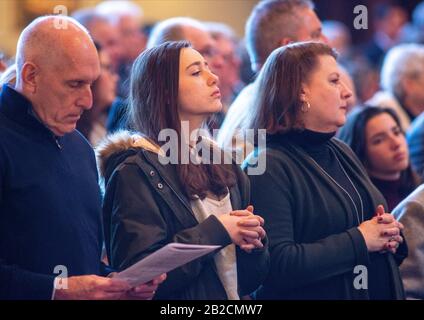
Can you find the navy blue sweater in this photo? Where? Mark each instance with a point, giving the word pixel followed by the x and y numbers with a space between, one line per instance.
pixel 50 203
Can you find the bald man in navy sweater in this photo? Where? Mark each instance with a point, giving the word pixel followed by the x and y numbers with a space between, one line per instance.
pixel 50 202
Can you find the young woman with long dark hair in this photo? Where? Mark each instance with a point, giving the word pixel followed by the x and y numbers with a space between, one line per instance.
pixel 149 204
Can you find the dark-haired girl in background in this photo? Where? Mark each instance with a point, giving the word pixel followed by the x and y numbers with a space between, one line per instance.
pixel 376 137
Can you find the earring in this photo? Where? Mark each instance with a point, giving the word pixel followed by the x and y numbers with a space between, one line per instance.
pixel 305 107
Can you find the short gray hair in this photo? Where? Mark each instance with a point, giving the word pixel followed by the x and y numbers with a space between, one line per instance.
pixel 117 9
pixel 87 17
pixel 269 22
pixel 405 60
pixel 171 30
pixel 218 30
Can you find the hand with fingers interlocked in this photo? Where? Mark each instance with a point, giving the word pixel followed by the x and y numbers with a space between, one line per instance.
pixel 382 233
pixel 251 221
pixel 245 228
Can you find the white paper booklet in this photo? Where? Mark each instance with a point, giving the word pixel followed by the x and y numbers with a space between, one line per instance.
pixel 167 258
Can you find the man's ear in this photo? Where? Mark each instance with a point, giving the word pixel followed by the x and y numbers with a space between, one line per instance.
pixel 29 76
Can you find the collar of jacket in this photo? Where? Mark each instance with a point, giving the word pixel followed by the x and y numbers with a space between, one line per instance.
pixel 19 109
pixel 137 149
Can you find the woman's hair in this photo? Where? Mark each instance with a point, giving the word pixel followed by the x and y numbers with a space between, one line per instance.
pixel 153 106
pixel 278 105
pixel 354 134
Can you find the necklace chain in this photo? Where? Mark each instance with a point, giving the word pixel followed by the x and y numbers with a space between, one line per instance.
pixel 360 219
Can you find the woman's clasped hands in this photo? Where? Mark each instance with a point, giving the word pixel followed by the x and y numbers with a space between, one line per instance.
pixel 245 228
pixel 382 233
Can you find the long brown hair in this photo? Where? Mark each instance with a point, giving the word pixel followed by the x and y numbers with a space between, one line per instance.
pixel 278 105
pixel 153 106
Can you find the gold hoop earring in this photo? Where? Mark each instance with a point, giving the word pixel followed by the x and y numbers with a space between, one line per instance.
pixel 305 106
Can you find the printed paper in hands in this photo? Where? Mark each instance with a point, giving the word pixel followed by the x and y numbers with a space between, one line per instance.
pixel 169 257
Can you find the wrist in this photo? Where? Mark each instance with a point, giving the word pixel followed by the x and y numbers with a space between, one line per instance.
pixel 60 289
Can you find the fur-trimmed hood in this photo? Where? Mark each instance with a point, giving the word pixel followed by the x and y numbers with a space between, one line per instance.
pixel 117 144
pixel 115 148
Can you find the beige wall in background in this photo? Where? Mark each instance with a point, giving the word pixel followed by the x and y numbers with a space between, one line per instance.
pixel 8 32
pixel 232 12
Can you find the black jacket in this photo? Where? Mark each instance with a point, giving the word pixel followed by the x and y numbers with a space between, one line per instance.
pixel 312 257
pixel 145 208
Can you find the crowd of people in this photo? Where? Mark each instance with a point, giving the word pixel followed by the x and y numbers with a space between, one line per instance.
pixel 109 151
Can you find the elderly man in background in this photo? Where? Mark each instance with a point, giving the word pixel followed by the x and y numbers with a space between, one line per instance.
pixel 106 35
pixel 127 17
pixel 50 202
pixel 194 31
pixel 226 45
pixel 103 32
pixel 402 83
pixel 272 24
